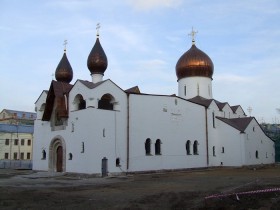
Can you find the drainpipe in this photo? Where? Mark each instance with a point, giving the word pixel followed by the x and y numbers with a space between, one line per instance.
pixel 206 128
pixel 127 134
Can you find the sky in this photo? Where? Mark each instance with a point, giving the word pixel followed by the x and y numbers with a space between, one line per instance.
pixel 143 40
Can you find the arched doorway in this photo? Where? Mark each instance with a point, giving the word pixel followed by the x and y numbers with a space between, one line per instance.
pixel 59 159
pixel 57 155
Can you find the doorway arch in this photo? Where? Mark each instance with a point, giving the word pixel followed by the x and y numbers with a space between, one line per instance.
pixel 57 155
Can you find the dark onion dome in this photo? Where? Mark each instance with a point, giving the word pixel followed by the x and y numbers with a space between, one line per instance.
pixel 194 62
pixel 64 72
pixel 97 60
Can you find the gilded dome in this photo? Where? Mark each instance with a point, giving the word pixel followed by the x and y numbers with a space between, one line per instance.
pixel 194 62
pixel 64 72
pixel 97 60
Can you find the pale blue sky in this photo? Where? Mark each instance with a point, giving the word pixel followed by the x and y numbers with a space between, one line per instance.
pixel 143 40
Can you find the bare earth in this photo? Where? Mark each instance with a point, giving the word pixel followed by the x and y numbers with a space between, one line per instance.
pixel 20 189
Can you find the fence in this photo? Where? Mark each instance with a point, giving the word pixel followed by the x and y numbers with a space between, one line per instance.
pixel 16 164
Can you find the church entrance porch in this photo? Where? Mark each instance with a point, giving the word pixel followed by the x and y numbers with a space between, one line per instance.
pixel 57 157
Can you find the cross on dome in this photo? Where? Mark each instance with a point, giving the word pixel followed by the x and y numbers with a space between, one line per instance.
pixel 97 29
pixel 65 43
pixel 193 34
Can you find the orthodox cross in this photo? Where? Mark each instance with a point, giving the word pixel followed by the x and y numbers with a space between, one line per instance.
pixel 193 34
pixel 97 29
pixel 65 43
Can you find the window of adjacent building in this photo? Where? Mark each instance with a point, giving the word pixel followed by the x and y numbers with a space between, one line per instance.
pixel 28 156
pixel 188 147
pixel 23 115
pixel 6 156
pixel 22 142
pixel 148 146
pixel 214 151
pixel 16 142
pixel 7 141
pixel 4 115
pixel 22 155
pixel 118 162
pixel 195 148
pixel 15 156
pixel 29 142
pixel 158 147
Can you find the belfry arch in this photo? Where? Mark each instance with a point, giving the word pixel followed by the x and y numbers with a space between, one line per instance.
pixel 57 155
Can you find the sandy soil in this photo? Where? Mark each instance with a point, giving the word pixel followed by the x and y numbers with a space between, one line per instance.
pixel 173 190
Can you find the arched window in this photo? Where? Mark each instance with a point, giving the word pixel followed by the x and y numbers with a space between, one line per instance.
pixel 214 151
pixel 44 154
pixel 188 147
pixel 257 154
pixel 106 102
pixel 79 102
pixel 195 148
pixel 148 146
pixel 158 147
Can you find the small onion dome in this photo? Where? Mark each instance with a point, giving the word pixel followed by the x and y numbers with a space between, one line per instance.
pixel 64 71
pixel 194 62
pixel 97 60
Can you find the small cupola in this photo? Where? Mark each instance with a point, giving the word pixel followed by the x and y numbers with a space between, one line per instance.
pixel 64 72
pixel 97 60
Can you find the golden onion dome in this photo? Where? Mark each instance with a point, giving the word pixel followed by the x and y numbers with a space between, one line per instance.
pixel 97 60
pixel 64 72
pixel 193 63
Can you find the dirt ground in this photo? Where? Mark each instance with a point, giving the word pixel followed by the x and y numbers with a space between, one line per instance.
pixel 20 189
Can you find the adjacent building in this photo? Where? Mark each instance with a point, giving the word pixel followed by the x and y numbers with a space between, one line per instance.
pixel 97 127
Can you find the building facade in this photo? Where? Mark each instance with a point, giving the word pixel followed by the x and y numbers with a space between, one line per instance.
pixel 96 127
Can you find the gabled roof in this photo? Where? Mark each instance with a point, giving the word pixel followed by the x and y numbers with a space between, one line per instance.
pixel 201 101
pixel 44 91
pixel 134 89
pixel 57 91
pixel 234 108
pixel 221 105
pixel 239 123
pixel 8 128
pixel 89 84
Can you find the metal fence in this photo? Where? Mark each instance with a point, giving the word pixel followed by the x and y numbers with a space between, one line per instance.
pixel 16 164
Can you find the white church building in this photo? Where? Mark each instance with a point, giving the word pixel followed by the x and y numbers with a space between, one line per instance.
pixel 96 127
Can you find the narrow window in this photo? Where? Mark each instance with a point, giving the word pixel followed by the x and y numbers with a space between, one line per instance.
pixel 213 118
pixel 28 156
pixel 176 102
pixel 118 162
pixel 223 150
pixel 70 156
pixel 29 142
pixel 195 148
pixel 158 147
pixel 44 155
pixel 7 141
pixel 257 154
pixel 83 147
pixel 148 146
pixel 254 129
pixel 266 155
pixel 185 90
pixel 16 142
pixel 22 156
pixel 22 142
pixel 6 155
pixel 214 152
pixel 197 89
pixel 188 147
pixel 103 132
